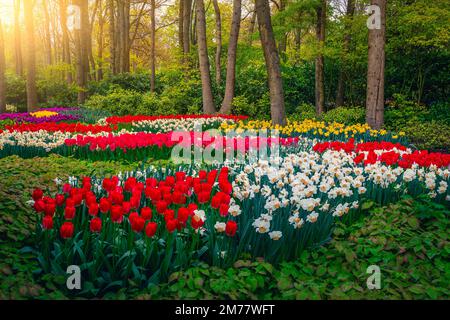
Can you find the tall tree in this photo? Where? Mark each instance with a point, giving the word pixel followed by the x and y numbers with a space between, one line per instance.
pixel 187 16
pixel 47 34
pixel 81 37
pixel 180 24
pixel 30 55
pixel 218 41
pixel 100 40
pixel 376 66
pixel 321 12
pixel 153 40
pixel 17 39
pixel 251 28
pixel 282 44
pixel 65 38
pixel 277 108
pixel 112 37
pixel 2 72
pixel 231 62
pixel 208 101
pixel 347 38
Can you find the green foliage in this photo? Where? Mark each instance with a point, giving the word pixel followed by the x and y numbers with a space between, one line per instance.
pixel 16 93
pixel 346 115
pixel 303 112
pixel 432 135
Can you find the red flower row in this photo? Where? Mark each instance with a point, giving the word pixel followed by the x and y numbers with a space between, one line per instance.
pixel 170 198
pixel 60 126
pixel 366 153
pixel 141 140
pixel 130 118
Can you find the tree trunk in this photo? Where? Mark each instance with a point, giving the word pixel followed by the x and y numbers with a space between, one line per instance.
pixel 187 7
pixel 319 77
pixel 47 36
pixel 347 38
pixel 100 41
pixel 126 35
pixel 65 38
pixel 152 53
pixel 277 108
pixel 251 28
pixel 82 50
pixel 180 25
pixel 231 62
pixel 112 37
pixel 30 56
pixel 283 40
pixel 218 41
pixel 208 102
pixel 375 73
pixel 120 34
pixel 17 39
pixel 2 72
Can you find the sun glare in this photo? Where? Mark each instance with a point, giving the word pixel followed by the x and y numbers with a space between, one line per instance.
pixel 7 12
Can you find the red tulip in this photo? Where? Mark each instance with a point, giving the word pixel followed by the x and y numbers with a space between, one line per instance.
pixel 69 213
pixel 150 229
pixel 183 214
pixel 230 228
pixel 146 213
pixel 93 209
pixel 178 198
pixel 116 214
pixel 49 209
pixel 171 225
pixel 37 194
pixel 223 210
pixel 96 225
pixel 137 224
pixel 105 205
pixel 196 222
pixel 47 222
pixel 66 230
pixel 161 206
pixel 59 198
pixel 39 205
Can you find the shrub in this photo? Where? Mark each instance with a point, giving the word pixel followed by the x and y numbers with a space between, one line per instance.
pixel 400 112
pixel 303 112
pixel 346 115
pixel 119 102
pixel 16 92
pixel 433 135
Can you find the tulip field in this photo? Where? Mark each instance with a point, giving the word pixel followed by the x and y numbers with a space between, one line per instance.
pixel 328 201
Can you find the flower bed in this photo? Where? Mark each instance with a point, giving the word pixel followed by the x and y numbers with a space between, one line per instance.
pixel 147 224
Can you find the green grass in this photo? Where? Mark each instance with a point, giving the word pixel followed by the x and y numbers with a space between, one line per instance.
pixel 407 240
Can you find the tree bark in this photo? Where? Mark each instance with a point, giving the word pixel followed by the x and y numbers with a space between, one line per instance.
pixel 340 95
pixel 319 77
pixel 17 39
pixel 2 72
pixel 218 41
pixel 283 40
pixel 65 38
pixel 187 7
pixel 375 72
pixel 208 101
pixel 112 37
pixel 30 56
pixel 251 28
pixel 180 25
pixel 100 41
pixel 152 53
pixel 231 62
pixel 47 35
pixel 277 108
pixel 82 50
